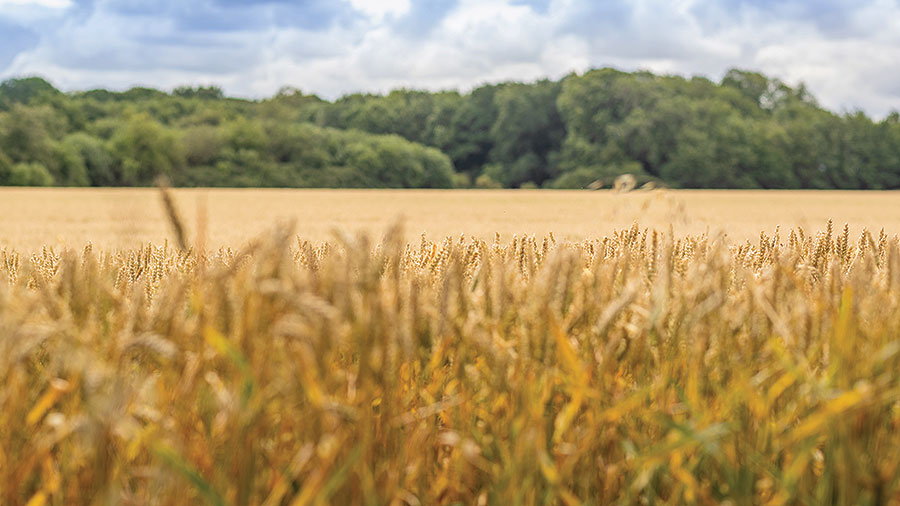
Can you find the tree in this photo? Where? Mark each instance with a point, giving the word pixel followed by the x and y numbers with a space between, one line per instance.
pixel 749 130
pixel 202 144
pixel 5 169
pixel 27 133
pixel 70 167
pixel 527 133
pixel 467 137
pixel 145 149
pixel 24 90
pixel 201 92
pixel 29 174
pixel 98 162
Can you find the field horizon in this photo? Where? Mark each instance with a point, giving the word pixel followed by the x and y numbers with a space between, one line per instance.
pixel 128 217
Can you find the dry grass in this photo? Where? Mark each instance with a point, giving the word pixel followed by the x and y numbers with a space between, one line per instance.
pixel 124 218
pixel 638 367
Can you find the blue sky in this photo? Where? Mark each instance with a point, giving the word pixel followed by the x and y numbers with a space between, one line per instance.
pixel 847 52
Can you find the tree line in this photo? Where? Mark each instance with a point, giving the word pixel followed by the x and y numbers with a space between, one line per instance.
pixel 746 131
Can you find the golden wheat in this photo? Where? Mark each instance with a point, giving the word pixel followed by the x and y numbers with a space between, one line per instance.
pixel 125 217
pixel 640 367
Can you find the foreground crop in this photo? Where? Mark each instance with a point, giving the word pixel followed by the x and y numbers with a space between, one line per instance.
pixel 630 368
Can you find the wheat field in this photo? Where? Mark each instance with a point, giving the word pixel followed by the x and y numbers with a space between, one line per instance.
pixel 122 217
pixel 640 366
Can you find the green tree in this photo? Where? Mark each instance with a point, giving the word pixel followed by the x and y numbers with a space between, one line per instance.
pixel 71 169
pixel 467 138
pixel 202 144
pixel 94 155
pixel 201 92
pixel 5 169
pixel 29 174
pixel 144 150
pixel 527 133
pixel 27 133
pixel 749 130
pixel 25 90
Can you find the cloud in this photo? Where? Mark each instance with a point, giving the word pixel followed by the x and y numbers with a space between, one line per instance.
pixel 831 17
pixel 843 51
pixel 52 4
pixel 16 39
pixel 379 9
pixel 539 6
pixel 204 16
pixel 422 17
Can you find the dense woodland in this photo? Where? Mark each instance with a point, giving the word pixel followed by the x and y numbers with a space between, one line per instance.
pixel 748 131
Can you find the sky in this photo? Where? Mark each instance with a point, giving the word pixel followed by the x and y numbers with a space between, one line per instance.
pixel 847 52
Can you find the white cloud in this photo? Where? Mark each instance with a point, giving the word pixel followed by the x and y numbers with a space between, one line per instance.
pixel 51 4
pixel 33 12
pixel 378 9
pixel 845 58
